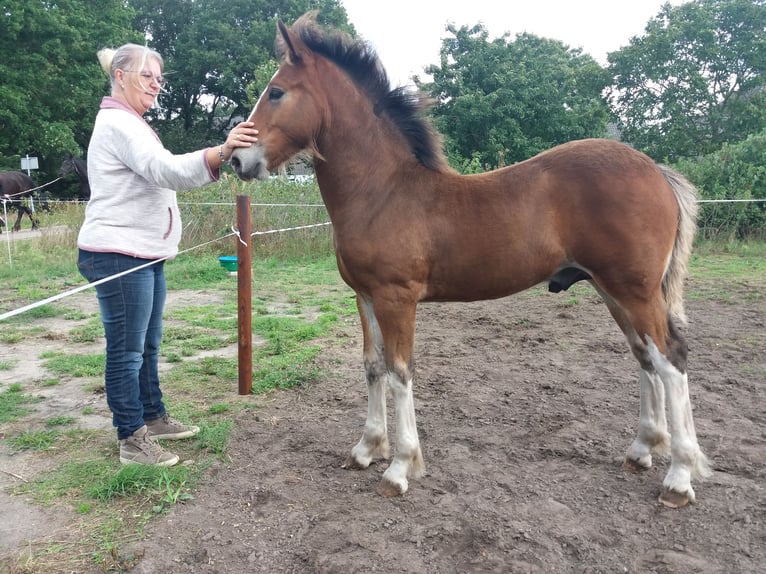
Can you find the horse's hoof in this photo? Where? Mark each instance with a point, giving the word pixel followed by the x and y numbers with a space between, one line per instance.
pixel 634 466
pixel 389 489
pixel 673 499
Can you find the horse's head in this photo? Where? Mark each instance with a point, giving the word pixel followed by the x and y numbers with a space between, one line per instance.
pixel 67 166
pixel 291 109
pixel 75 165
pixel 331 94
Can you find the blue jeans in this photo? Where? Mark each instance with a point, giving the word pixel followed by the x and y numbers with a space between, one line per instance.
pixel 131 311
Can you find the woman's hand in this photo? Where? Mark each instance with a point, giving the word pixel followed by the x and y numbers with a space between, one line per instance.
pixel 242 135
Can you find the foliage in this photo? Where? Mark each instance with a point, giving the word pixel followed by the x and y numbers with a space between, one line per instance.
pixel 500 101
pixel 735 172
pixel 218 56
pixel 695 80
pixel 50 80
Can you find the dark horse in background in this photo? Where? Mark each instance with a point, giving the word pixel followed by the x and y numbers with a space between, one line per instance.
pixel 77 166
pixel 408 228
pixel 16 187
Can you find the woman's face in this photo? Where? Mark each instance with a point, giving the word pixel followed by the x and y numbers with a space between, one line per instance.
pixel 140 87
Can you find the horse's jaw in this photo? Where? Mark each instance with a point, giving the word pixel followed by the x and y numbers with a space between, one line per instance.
pixel 250 163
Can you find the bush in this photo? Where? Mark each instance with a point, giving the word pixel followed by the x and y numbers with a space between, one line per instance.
pixel 736 171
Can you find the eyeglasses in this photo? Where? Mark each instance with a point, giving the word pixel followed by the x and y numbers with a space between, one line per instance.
pixel 149 77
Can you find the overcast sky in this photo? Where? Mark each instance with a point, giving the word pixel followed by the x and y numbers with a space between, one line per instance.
pixel 407 33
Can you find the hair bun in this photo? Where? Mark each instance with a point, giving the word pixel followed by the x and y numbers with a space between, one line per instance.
pixel 105 58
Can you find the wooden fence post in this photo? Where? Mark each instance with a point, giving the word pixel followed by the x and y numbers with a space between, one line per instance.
pixel 244 295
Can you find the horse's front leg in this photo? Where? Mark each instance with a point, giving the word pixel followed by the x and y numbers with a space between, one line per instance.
pixel 397 325
pixel 374 441
pixel 20 214
pixel 408 460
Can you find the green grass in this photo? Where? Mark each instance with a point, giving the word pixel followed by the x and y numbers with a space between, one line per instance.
pixel 14 404
pixel 38 440
pixel 729 273
pixel 61 420
pixel 74 365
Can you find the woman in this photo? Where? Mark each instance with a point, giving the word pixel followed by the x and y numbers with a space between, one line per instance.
pixel 131 220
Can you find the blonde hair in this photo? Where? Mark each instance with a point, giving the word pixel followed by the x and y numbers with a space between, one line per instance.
pixel 126 57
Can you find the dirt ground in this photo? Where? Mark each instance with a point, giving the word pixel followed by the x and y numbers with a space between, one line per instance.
pixel 525 407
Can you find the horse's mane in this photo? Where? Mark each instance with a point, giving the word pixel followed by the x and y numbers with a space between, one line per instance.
pixel 359 60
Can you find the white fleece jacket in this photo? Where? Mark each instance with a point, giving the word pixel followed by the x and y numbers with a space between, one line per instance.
pixel 133 182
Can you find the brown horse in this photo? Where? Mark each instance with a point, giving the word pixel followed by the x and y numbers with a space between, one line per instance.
pixel 15 187
pixel 408 228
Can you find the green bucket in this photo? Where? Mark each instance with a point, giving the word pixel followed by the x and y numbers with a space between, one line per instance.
pixel 228 262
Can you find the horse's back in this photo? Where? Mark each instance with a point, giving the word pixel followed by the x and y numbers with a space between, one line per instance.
pixel 12 182
pixel 597 207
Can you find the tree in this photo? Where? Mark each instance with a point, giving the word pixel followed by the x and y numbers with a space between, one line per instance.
pixel 50 79
pixel 694 80
pixel 500 101
pixel 218 56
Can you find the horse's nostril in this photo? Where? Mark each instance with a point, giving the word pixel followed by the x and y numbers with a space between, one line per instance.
pixel 234 161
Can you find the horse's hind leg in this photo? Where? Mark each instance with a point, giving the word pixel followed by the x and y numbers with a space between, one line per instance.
pixel 687 460
pixel 663 380
pixel 652 435
pixel 374 441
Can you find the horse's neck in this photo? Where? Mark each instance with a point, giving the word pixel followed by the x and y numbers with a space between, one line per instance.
pixel 359 154
pixel 82 175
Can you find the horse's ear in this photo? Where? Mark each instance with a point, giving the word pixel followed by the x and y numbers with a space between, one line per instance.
pixel 286 45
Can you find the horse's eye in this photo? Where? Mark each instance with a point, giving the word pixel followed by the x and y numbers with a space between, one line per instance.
pixel 275 94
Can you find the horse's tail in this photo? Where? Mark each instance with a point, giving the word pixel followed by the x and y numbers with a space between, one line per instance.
pixel 676 271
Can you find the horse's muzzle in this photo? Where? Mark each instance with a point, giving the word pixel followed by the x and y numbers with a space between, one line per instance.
pixel 250 163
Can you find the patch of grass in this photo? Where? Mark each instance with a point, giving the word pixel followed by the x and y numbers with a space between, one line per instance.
pixel 221 317
pixel 7 364
pixel 60 421
pixel 13 403
pixel 160 484
pixel 38 440
pixel 201 379
pixel 729 277
pixel 214 438
pixel 187 340
pixel 74 315
pixel 285 370
pixel 11 336
pixel 73 364
pixel 218 409
pixel 87 333
pixel 44 311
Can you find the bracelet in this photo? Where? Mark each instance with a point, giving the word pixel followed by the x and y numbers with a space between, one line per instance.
pixel 220 154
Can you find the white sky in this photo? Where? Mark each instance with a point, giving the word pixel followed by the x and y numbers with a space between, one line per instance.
pixel 407 33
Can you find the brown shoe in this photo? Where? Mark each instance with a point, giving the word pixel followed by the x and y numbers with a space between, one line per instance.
pixel 168 428
pixel 139 448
